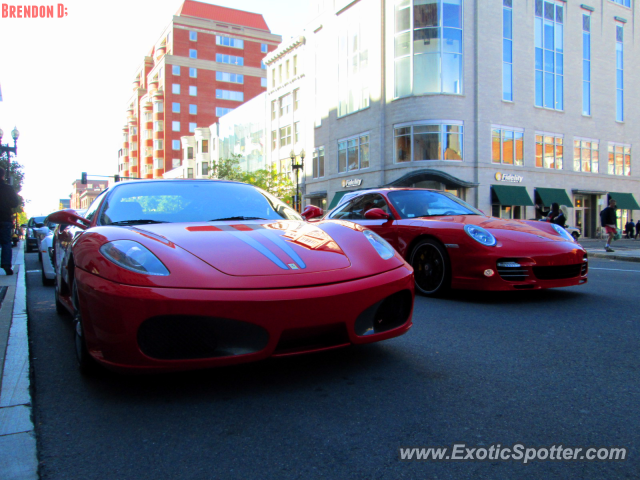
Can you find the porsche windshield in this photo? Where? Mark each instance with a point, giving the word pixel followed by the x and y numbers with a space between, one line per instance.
pixel 427 203
pixel 191 201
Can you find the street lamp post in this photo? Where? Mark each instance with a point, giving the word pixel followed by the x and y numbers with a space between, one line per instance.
pixel 6 149
pixel 297 166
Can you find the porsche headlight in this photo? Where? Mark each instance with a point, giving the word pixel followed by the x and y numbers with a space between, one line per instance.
pixel 133 256
pixel 563 233
pixel 480 235
pixel 383 248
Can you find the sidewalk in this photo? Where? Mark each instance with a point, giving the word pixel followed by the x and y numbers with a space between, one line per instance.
pixel 625 249
pixel 18 458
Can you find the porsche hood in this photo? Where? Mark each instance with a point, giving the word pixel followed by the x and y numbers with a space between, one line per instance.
pixel 256 248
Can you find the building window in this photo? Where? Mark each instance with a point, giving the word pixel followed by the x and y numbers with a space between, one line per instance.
pixel 262 65
pixel 626 3
pixel 619 159
pixel 585 155
pixel 229 42
pixel 287 70
pixel 134 146
pixel 158 163
pixel 158 106
pixel 193 72
pixel 264 48
pixel 230 95
pixel 158 125
pixel 296 99
pixel 148 169
pixel 507 146
pixel 220 111
pixel 507 50
pixel 428 47
pixel 148 116
pixel 353 153
pixel 205 169
pixel 175 126
pixel 263 82
pixel 619 74
pixel 296 132
pixel 230 59
pixel 549 62
pixel 295 65
pixel 193 109
pixel 274 110
pixel 429 141
pixel 273 78
pixel 274 139
pixel 189 172
pixel 189 153
pixel 229 77
pixel 175 69
pixel 175 107
pixel 193 53
pixel 175 88
pixel 318 162
pixel 192 127
pixel 193 36
pixel 280 74
pixel 549 151
pixel 285 104
pixel 353 60
pixel 157 144
pixel 193 91
pixel 205 146
pixel 586 64
pixel 285 136
pixel 175 144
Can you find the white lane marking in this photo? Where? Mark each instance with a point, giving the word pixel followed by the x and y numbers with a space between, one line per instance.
pixel 34 271
pixel 614 269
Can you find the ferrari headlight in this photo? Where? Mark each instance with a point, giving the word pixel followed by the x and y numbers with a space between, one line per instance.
pixel 383 248
pixel 480 235
pixel 133 256
pixel 563 233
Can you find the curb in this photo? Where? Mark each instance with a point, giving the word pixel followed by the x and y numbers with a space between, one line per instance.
pixel 614 257
pixel 18 457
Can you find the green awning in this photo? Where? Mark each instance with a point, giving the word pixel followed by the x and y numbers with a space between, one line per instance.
pixel 551 195
pixel 336 199
pixel 508 195
pixel 624 201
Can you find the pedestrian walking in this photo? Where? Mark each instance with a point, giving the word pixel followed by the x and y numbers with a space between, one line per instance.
pixel 8 201
pixel 630 228
pixel 608 220
pixel 637 230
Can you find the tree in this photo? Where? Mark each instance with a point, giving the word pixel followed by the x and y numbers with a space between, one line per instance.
pixel 277 184
pixel 227 169
pixel 14 173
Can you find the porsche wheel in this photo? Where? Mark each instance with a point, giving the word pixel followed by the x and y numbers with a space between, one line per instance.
pixel 431 269
pixel 86 364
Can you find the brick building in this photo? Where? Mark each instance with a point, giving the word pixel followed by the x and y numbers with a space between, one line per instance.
pixel 83 194
pixel 207 62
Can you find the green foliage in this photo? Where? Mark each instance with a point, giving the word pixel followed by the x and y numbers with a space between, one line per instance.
pixel 277 184
pixel 227 169
pixel 160 203
pixel 13 170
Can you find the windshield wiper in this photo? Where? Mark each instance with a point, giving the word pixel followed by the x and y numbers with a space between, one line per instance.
pixel 236 218
pixel 136 222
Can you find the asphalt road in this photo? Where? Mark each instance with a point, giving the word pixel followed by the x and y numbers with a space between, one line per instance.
pixel 537 368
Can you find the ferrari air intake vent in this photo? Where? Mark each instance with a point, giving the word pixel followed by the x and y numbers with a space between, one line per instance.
pixel 387 314
pixel 558 272
pixel 298 340
pixel 511 270
pixel 182 337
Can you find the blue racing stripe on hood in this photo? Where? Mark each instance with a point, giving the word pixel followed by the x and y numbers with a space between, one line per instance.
pixel 277 239
pixel 260 248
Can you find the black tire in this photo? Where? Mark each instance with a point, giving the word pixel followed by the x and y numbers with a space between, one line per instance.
pixel 45 281
pixel 431 268
pixel 39 256
pixel 60 308
pixel 86 364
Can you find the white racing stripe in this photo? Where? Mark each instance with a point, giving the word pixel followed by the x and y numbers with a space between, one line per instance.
pixel 614 269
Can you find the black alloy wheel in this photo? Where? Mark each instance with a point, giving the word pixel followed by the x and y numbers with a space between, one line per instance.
pixel 431 269
pixel 86 364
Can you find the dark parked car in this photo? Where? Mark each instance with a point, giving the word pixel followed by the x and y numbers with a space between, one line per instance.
pixel 30 239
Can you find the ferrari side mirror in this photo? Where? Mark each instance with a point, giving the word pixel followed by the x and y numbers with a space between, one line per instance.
pixel 311 211
pixel 376 214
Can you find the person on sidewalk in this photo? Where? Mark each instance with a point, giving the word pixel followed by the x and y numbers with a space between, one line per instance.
pixel 637 230
pixel 8 201
pixel 608 220
pixel 556 215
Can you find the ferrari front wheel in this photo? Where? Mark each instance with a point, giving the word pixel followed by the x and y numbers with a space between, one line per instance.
pixel 86 364
pixel 431 269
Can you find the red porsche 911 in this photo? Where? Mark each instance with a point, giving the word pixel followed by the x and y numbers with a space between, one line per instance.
pixel 450 244
pixel 184 274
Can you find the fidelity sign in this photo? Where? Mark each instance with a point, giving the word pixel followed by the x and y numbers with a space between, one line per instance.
pixel 508 177
pixel 352 182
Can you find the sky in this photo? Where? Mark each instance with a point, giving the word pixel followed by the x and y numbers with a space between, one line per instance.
pixel 66 82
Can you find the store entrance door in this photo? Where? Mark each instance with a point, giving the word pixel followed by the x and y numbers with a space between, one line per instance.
pixel 582 212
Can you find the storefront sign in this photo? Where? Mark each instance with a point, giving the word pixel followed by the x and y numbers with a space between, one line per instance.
pixel 352 182
pixel 509 177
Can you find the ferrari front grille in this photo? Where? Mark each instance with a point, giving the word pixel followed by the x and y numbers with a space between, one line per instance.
pixel 558 272
pixel 182 337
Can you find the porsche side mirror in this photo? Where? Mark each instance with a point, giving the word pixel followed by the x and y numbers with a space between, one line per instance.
pixel 311 211
pixel 376 214
pixel 68 217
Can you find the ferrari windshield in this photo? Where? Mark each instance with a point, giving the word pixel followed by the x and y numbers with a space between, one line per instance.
pixel 190 201
pixel 427 203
